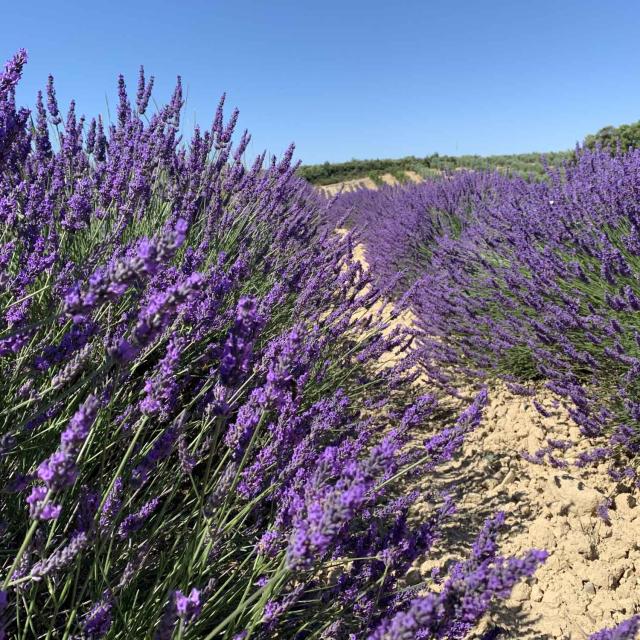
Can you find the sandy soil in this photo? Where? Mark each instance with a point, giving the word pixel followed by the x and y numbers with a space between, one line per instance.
pixel 349 185
pixel 413 176
pixel 387 178
pixel 590 579
pixel 365 183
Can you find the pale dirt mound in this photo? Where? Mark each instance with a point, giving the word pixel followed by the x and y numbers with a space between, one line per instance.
pixel 590 579
pixel 349 185
pixel 364 183
pixel 390 179
pixel 413 176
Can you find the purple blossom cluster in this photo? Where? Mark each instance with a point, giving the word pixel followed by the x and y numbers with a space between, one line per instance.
pixel 195 441
pixel 59 470
pixel 625 630
pixel 400 226
pixel 465 596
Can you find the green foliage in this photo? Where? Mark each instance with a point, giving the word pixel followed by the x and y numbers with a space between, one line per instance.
pixel 329 173
pixel 524 164
pixel 626 135
pixel 376 177
pixel 519 363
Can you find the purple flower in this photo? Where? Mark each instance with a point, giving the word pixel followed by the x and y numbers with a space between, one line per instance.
pixel 87 509
pixel 4 603
pixel 626 630
pixel 101 144
pixel 135 521
pixel 58 470
pixel 236 355
pixel 282 370
pixel 60 558
pixel 603 510
pixel 52 102
pixel 12 72
pixel 144 92
pixel 465 595
pixel 110 284
pixel 97 621
pixel 179 606
pixel 72 369
pixel 79 426
pixel 160 310
pixel 112 506
pixel 39 507
pixel 188 607
pixel 330 508
pixel 161 391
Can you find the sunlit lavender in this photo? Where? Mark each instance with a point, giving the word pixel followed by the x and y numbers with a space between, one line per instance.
pixel 196 439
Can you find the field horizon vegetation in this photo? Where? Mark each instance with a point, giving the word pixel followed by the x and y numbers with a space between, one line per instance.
pixel 525 164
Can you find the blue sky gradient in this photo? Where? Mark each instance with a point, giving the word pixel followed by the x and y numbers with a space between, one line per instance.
pixel 352 79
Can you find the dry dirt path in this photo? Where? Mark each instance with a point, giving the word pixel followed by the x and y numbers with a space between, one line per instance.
pixel 590 579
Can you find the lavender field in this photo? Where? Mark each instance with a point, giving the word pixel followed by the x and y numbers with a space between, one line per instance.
pixel 222 418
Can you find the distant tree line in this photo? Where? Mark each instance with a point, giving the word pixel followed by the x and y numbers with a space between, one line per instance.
pixel 522 163
pixel 527 164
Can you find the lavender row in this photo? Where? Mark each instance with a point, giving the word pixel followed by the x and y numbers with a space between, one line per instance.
pixel 195 439
pixel 537 282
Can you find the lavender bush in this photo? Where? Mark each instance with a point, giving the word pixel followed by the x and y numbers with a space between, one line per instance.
pixel 627 629
pixel 401 225
pixel 543 285
pixel 537 283
pixel 531 282
pixel 196 441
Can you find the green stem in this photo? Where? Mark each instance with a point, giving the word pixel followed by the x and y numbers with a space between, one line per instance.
pixel 25 544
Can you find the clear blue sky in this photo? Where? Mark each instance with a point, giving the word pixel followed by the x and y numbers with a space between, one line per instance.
pixel 352 79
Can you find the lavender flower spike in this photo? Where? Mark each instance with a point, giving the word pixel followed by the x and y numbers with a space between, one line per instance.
pixel 12 71
pixel 627 630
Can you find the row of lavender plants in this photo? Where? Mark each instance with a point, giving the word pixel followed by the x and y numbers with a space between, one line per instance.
pixel 536 282
pixel 532 282
pixel 196 440
pixel 401 225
